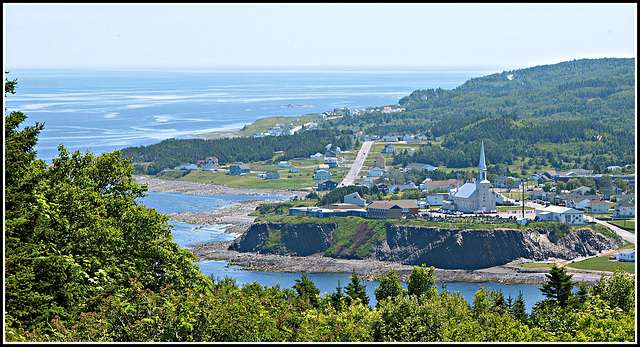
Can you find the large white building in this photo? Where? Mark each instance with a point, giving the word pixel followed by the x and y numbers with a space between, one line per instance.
pixel 560 214
pixel 473 197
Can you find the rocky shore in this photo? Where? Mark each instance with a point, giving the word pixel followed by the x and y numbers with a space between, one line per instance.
pixel 371 268
pixel 236 216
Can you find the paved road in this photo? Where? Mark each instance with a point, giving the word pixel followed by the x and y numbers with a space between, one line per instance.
pixel 623 233
pixel 350 179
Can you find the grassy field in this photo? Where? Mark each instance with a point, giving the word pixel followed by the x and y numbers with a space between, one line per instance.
pixel 512 208
pixel 301 180
pixel 603 264
pixel 625 224
pixel 264 124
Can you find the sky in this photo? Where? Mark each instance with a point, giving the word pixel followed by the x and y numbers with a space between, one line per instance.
pixel 279 35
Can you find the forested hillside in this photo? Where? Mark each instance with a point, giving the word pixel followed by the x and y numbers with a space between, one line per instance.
pixel 580 112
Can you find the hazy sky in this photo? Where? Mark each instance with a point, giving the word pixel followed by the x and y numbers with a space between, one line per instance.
pixel 198 35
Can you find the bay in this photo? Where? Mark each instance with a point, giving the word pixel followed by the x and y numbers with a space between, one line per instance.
pixel 186 234
pixel 105 110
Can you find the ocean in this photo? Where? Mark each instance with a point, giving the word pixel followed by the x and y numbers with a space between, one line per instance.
pixel 105 110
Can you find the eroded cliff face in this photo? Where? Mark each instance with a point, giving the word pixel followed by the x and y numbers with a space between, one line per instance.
pixel 477 249
pixel 294 239
pixel 433 246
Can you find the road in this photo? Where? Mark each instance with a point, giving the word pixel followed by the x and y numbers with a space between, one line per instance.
pixel 350 179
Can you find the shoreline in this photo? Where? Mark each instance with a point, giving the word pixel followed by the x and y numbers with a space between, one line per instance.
pixel 370 268
pixel 238 221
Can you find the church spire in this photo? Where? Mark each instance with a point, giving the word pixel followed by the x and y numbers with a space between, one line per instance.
pixel 482 166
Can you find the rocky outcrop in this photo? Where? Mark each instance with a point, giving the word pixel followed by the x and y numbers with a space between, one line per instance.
pixel 279 238
pixel 433 246
pixel 476 249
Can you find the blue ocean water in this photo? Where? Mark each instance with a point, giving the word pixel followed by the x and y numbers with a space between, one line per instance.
pixel 105 110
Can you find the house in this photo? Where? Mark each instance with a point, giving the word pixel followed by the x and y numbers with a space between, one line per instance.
pixel 380 162
pixel 628 255
pixel 597 206
pixel 407 137
pixel 624 209
pixel 375 172
pixel 572 198
pixel 507 182
pixel 437 198
pixel 581 203
pixel 560 214
pixel 272 176
pixel 284 164
pixel 187 166
pixel 323 167
pixel 261 175
pixel 294 169
pixel 389 149
pixel 608 192
pixel 316 156
pixel 420 166
pixel 582 190
pixel 533 177
pixel 322 175
pixel 623 197
pixel 500 199
pixel 210 164
pixel 355 199
pixel 540 194
pixel 326 185
pixel 429 184
pixel 331 161
pixel 238 168
pixel 389 138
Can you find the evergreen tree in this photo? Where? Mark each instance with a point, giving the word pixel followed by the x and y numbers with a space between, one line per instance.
pixel 337 298
pixel 306 289
pixel 558 285
pixel 519 310
pixel 357 289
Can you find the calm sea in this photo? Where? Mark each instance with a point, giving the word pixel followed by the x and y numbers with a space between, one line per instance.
pixel 105 110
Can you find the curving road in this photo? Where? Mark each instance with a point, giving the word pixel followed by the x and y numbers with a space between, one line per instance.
pixel 350 179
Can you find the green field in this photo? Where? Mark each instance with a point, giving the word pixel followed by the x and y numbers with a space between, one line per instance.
pixel 512 208
pixel 631 224
pixel 603 264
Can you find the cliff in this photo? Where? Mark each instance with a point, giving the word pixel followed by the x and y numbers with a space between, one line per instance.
pixel 442 248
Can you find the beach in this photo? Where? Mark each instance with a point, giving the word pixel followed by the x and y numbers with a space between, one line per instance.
pixel 237 219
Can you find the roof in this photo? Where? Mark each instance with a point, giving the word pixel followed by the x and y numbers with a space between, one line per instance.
pixel 560 209
pixel 481 164
pixel 597 201
pixel 627 251
pixel 389 204
pixel 466 191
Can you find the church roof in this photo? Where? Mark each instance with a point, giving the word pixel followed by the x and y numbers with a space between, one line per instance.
pixel 466 191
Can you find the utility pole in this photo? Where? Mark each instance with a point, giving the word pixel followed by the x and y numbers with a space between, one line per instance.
pixel 523 186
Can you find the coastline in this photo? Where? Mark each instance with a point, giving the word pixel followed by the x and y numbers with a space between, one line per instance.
pixel 238 221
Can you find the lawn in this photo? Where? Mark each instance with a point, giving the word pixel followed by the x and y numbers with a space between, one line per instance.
pixel 512 208
pixel 626 224
pixel 603 264
pixel 303 179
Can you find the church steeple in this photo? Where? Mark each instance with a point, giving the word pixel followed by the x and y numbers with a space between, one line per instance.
pixel 482 166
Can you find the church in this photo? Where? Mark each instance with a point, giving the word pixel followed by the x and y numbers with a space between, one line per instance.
pixel 473 197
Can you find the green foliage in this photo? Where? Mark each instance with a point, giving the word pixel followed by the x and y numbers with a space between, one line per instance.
pixel 337 195
pixel 618 291
pixel 558 285
pixel 172 152
pixel 421 281
pixel 307 290
pixel 357 290
pixel 389 287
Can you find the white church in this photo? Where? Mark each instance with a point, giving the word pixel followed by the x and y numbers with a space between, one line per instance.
pixel 473 197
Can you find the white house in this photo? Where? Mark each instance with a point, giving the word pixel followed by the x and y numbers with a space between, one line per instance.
pixel 284 164
pixel 375 172
pixel 294 169
pixel 188 166
pixel 322 175
pixel 389 149
pixel 390 138
pixel 597 206
pixel 624 209
pixel 354 198
pixel 435 199
pixel 316 156
pixel 626 255
pixel 210 164
pixel 560 214
pixel 331 161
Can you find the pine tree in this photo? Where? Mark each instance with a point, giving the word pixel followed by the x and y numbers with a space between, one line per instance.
pixel 306 289
pixel 357 289
pixel 519 310
pixel 558 285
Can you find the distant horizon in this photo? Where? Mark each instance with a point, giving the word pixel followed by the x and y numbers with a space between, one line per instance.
pixel 295 68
